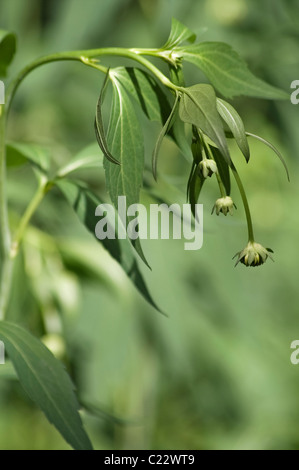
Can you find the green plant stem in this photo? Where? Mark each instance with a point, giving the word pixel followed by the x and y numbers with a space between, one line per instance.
pixel 5 264
pixel 43 188
pixel 221 185
pixel 245 203
pixel 85 57
pixel 4 226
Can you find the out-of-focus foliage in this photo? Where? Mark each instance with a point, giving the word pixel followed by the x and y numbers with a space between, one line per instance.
pixel 216 373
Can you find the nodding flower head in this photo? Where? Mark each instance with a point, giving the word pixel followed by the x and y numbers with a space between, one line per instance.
pixel 253 254
pixel 225 205
pixel 207 167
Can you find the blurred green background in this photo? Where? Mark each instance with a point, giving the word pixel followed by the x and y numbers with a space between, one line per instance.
pixel 216 373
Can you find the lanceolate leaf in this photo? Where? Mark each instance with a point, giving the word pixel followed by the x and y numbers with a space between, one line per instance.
pixel 145 91
pixel 85 159
pixel 21 153
pixel 84 203
pixel 228 72
pixel 235 124
pixel 198 107
pixel 46 382
pixel 99 125
pixel 179 33
pixel 272 147
pixel 154 103
pixel 196 182
pixel 125 139
pixel 7 50
pixel 162 134
pixel 223 169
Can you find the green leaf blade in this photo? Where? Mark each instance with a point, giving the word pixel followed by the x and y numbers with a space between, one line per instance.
pixel 7 51
pixel 99 125
pixel 18 153
pixel 228 72
pixel 272 147
pixel 223 169
pixel 144 90
pixel 84 202
pixel 195 185
pixel 88 158
pixel 161 136
pixel 148 94
pixel 198 107
pixel 46 382
pixel 125 139
pixel 235 123
pixel 179 33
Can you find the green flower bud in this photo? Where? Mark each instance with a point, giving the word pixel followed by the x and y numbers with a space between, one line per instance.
pixel 225 205
pixel 253 254
pixel 208 167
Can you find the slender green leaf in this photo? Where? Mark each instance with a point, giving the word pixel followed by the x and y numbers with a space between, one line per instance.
pixel 223 169
pixel 7 50
pixel 99 125
pixel 125 139
pixel 88 158
pixel 272 147
pixel 190 180
pixel 84 203
pixel 196 182
pixel 46 382
pixel 235 124
pixel 179 33
pixel 154 103
pixel 145 91
pixel 228 72
pixel 162 134
pixel 198 107
pixel 21 153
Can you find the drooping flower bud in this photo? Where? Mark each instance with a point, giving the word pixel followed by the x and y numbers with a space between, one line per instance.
pixel 225 205
pixel 253 254
pixel 207 167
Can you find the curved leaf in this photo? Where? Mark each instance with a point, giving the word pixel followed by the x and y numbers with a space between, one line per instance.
pixel 7 50
pixel 145 91
pixel 84 202
pixel 272 147
pixel 85 159
pixel 223 169
pixel 235 123
pixel 125 139
pixel 99 125
pixel 228 72
pixel 20 153
pixel 179 33
pixel 195 185
pixel 198 107
pixel 154 103
pixel 162 134
pixel 46 382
